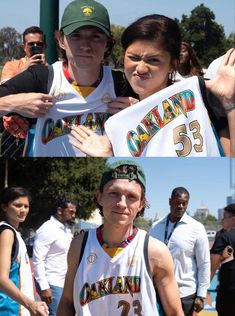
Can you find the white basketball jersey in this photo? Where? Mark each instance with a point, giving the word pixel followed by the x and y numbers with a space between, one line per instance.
pixel 70 108
pixel 114 286
pixel 171 122
pixel 24 271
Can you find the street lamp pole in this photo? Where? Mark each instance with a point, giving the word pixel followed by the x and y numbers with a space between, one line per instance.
pixel 49 23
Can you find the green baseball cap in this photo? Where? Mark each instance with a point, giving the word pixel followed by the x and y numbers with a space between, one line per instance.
pixel 129 170
pixel 85 13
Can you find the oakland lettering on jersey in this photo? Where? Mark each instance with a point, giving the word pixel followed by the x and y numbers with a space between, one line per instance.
pixel 123 285
pixel 52 129
pixel 153 122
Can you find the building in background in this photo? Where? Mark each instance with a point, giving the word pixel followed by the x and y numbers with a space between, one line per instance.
pixel 202 212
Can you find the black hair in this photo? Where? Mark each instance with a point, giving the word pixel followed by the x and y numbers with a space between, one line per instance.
pixel 12 193
pixel 34 30
pixel 230 209
pixel 154 27
pixel 179 191
pixel 194 66
pixel 62 202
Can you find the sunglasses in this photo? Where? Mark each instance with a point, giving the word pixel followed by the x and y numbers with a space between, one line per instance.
pixel 127 171
pixel 31 44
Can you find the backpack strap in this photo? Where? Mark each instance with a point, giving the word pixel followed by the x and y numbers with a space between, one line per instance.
pixel 146 242
pixel 83 246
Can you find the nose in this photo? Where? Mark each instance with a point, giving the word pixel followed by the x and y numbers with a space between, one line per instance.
pixel 122 201
pixel 84 44
pixel 141 67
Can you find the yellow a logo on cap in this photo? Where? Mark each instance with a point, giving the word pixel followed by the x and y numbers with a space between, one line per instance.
pixel 87 11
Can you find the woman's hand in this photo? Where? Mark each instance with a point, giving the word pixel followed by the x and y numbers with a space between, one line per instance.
pixel 90 143
pixel 223 84
pixel 38 309
pixel 121 103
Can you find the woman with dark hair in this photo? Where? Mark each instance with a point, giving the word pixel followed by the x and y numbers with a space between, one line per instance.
pixel 16 284
pixel 172 121
pixel 189 64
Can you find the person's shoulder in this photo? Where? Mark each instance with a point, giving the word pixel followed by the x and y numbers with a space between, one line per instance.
pixel 156 249
pixel 160 221
pixel 189 219
pixel 7 232
pixel 45 227
pixel 14 62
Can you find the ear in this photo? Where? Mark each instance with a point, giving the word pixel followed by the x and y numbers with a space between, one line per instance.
pixel 59 210
pixel 170 201
pixel 3 207
pixel 23 46
pixel 98 196
pixel 60 40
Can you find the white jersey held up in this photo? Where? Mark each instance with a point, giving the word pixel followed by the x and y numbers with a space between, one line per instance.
pixel 114 286
pixel 172 122
pixel 70 108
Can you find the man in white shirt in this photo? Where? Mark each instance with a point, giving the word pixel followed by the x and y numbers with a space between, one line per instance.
pixel 50 250
pixel 189 246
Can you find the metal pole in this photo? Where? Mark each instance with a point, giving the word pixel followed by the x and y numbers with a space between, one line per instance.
pixel 6 174
pixel 49 23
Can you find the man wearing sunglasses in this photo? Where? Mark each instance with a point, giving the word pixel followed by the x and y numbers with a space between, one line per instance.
pixel 32 37
pixel 15 127
pixel 116 269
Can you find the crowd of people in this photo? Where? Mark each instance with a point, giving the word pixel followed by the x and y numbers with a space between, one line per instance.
pixel 81 94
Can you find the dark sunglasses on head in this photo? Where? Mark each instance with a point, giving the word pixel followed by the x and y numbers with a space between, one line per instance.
pixel 125 170
pixel 31 44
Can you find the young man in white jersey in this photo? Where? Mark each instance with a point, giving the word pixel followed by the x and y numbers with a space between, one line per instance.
pixel 75 90
pixel 119 270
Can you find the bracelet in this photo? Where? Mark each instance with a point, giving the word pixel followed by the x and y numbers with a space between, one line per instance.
pixel 229 106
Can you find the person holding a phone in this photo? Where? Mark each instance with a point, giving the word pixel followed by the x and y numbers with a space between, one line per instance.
pixel 15 127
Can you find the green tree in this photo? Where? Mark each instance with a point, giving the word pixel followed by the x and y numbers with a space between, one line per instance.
pixel 204 33
pixel 9 44
pixel 143 223
pixel 230 42
pixel 211 218
pixel 49 178
pixel 116 56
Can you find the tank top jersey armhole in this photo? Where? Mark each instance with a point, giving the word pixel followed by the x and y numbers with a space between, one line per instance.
pixel 217 115
pixel 216 124
pixel 15 246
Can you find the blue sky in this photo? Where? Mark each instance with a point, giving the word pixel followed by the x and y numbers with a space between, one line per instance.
pixel 24 13
pixel 206 179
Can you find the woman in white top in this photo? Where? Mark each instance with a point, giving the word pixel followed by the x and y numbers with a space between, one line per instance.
pixel 16 284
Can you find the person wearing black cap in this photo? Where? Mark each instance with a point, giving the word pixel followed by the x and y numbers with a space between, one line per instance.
pixel 118 270
pixel 81 86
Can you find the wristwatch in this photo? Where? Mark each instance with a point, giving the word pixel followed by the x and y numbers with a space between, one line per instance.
pixel 202 299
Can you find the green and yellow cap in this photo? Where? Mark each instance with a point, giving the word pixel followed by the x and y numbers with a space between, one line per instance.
pixel 123 169
pixel 85 13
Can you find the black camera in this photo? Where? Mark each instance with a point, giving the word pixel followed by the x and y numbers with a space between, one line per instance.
pixel 36 50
